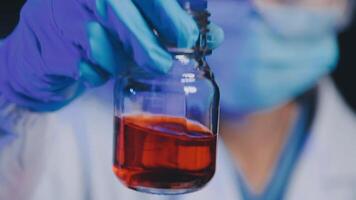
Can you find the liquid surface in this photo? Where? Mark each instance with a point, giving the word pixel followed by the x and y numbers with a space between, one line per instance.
pixel 162 154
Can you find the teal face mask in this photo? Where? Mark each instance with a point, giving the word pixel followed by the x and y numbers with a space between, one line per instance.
pixel 270 55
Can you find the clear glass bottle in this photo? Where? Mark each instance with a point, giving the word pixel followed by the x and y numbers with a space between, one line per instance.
pixel 166 126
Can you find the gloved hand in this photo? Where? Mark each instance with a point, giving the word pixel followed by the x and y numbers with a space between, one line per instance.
pixel 272 52
pixel 60 47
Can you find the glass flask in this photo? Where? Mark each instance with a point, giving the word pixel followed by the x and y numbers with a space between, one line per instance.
pixel 166 126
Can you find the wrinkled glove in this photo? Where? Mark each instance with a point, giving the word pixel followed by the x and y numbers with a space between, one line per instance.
pixel 61 47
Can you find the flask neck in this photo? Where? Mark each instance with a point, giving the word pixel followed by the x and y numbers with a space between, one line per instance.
pixel 200 50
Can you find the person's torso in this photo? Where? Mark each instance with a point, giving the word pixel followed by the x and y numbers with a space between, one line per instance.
pixel 81 145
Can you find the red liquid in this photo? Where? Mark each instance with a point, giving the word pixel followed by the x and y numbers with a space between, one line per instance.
pixel 162 154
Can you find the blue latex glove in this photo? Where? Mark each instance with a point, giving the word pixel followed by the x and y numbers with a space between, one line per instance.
pixel 271 54
pixel 61 47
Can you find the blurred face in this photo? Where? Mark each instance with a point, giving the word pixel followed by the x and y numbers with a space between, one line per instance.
pixel 343 7
pixel 274 50
pixel 310 3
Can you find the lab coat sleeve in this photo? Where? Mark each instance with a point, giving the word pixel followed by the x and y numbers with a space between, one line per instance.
pixel 22 150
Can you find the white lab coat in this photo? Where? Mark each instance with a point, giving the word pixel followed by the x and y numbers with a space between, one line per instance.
pixel 67 155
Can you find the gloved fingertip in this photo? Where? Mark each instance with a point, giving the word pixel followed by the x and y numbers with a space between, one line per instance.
pixel 189 33
pixel 215 36
pixel 166 66
pixel 161 62
pixel 102 48
pixel 91 76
